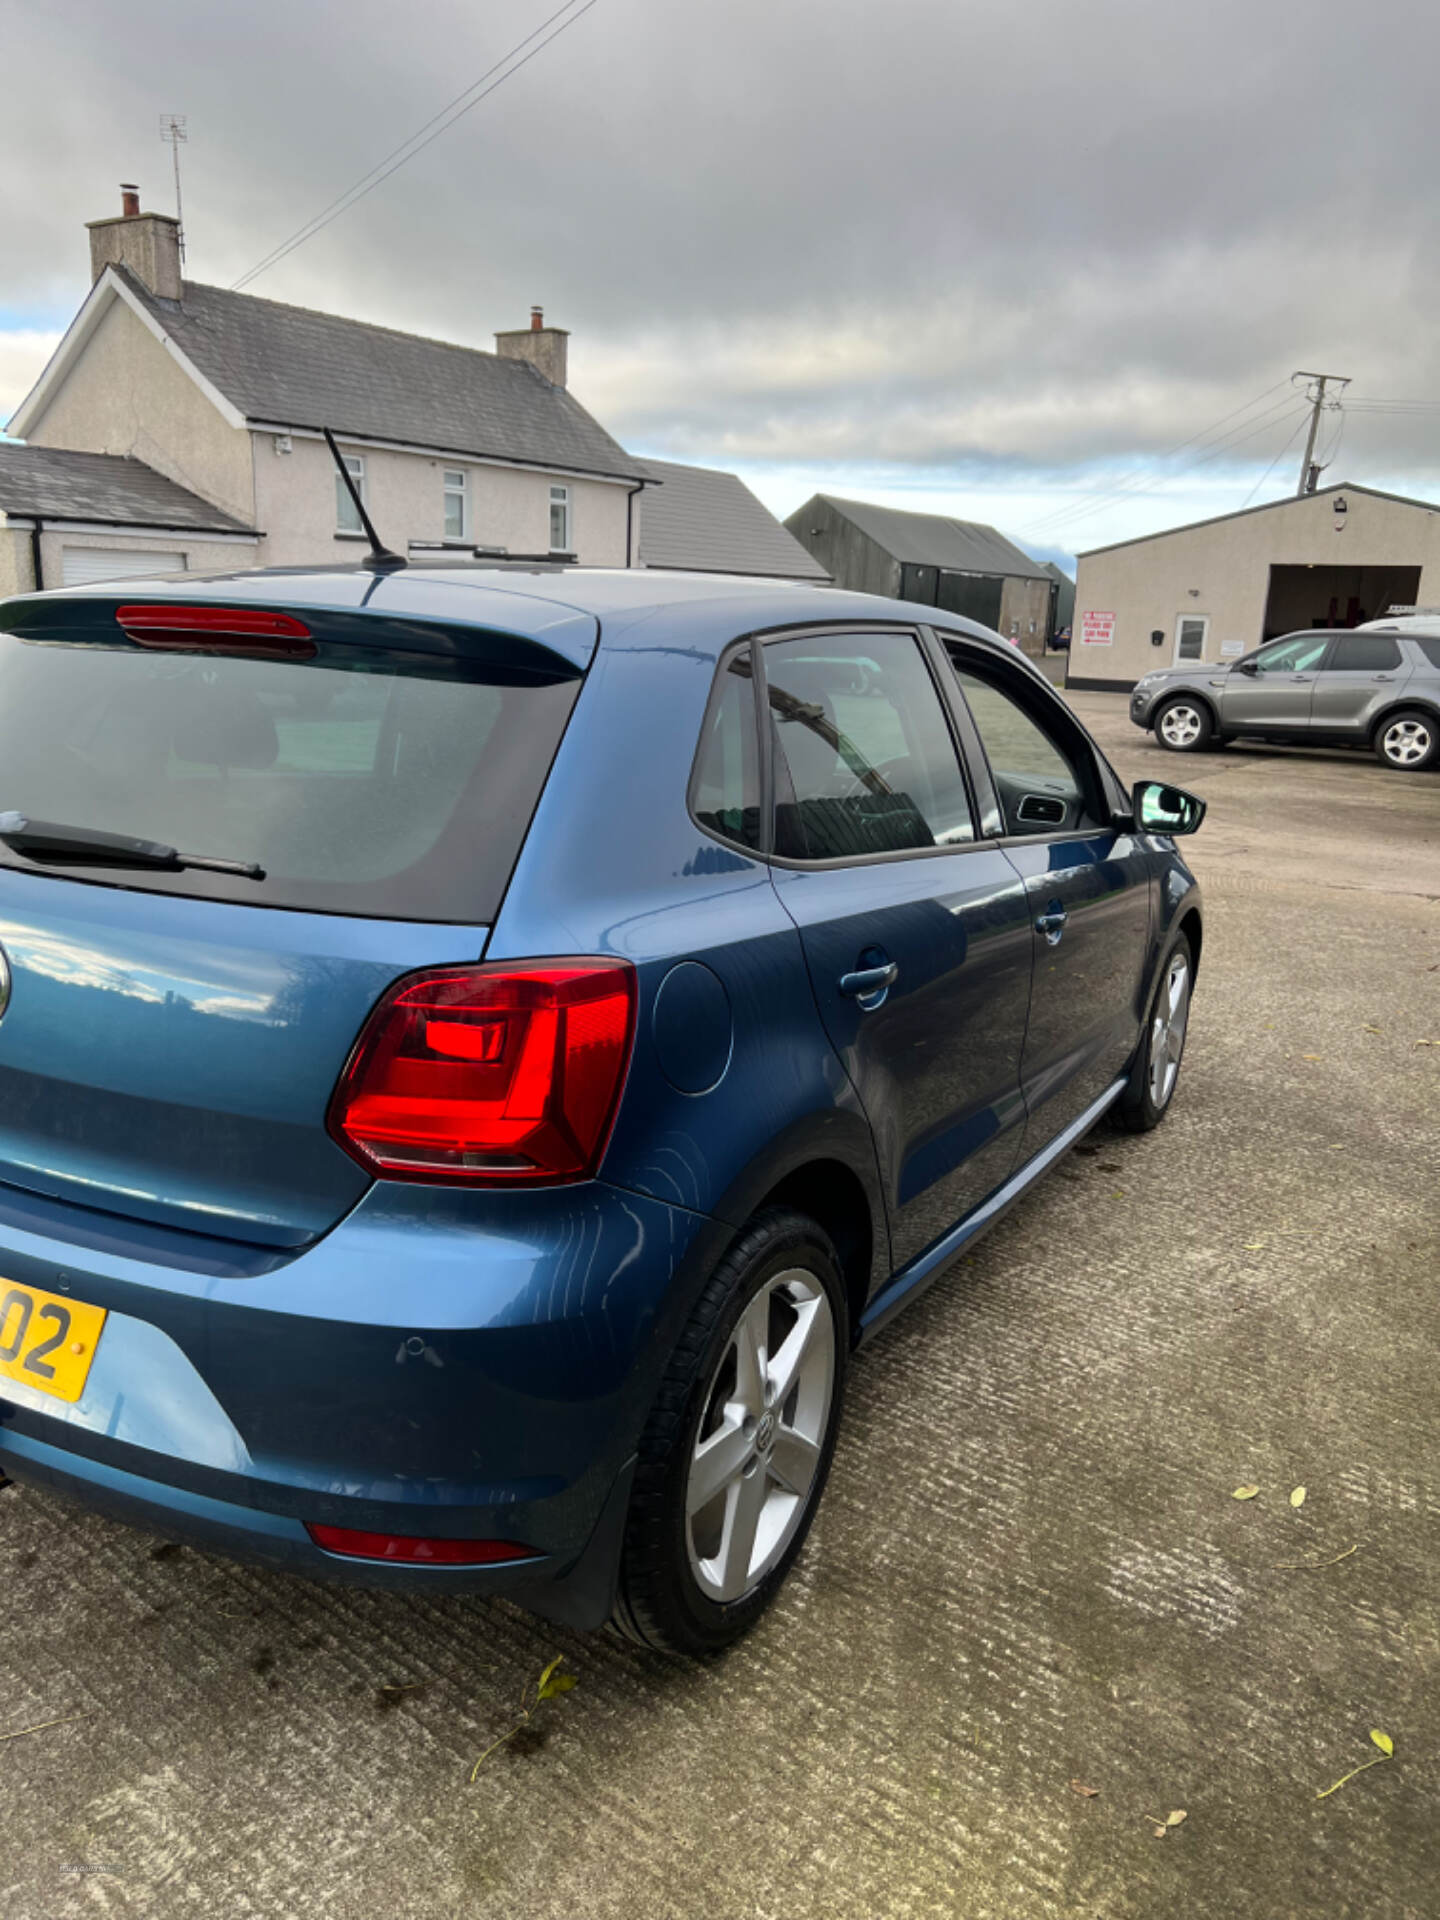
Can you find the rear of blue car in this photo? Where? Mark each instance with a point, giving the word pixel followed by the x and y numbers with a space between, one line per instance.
pixel 300 1235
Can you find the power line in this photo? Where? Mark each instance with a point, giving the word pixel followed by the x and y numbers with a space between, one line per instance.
pixel 1151 480
pixel 1309 472
pixel 422 137
pixel 1294 435
pixel 1147 472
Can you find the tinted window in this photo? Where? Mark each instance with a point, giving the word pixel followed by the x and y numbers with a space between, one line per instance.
pixel 1363 653
pixel 363 781
pixel 1429 648
pixel 726 792
pixel 864 758
pixel 1036 780
pixel 1302 654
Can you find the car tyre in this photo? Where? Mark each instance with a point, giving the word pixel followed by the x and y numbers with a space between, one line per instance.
pixel 755 1385
pixel 1183 725
pixel 1156 1072
pixel 1409 741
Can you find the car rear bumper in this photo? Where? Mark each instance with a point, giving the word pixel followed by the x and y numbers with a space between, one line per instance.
pixel 442 1365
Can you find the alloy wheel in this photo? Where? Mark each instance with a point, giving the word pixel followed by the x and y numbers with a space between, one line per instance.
pixel 757 1453
pixel 1180 726
pixel 1167 1030
pixel 1407 743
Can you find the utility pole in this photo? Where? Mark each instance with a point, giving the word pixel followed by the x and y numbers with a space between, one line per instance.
pixel 1308 473
pixel 172 128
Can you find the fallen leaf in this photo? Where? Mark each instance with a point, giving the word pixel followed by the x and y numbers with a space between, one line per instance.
pixel 1079 1786
pixel 1372 1029
pixel 1174 1819
pixel 552 1682
pixel 1244 1493
pixel 1297 1497
pixel 1160 1833
pixel 1312 1056
pixel 1254 1246
pixel 1312 1566
pixel 1382 1741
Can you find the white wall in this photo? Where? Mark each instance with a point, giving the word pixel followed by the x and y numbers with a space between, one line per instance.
pixel 1222 570
pixel 125 394
pixel 404 495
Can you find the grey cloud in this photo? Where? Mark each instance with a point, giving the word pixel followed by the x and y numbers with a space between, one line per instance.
pixel 957 240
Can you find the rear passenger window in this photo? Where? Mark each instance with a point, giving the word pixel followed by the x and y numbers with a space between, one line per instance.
pixel 864 759
pixel 725 797
pixel 1364 653
pixel 1429 648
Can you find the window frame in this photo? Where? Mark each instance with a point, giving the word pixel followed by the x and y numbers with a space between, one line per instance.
pixel 1108 798
pixel 566 502
pixel 355 467
pixel 460 493
pixel 723 665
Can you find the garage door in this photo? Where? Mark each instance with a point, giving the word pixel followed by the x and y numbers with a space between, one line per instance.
pixel 80 566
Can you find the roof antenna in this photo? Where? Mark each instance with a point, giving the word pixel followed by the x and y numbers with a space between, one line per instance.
pixel 381 560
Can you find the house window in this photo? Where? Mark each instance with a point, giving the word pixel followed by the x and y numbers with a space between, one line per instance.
pixel 1190 632
pixel 560 520
pixel 457 510
pixel 347 520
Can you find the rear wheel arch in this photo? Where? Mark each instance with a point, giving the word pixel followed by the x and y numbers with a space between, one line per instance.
pixel 833 1196
pixel 1398 706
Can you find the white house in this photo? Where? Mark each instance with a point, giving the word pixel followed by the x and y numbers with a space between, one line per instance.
pixel 224 396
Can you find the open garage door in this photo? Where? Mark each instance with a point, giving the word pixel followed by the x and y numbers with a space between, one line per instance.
pixel 84 566
pixel 1302 599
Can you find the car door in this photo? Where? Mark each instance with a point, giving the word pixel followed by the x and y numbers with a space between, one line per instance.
pixel 916 929
pixel 1270 691
pixel 1088 881
pixel 1358 675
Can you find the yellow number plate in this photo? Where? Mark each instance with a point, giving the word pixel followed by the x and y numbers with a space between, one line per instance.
pixel 46 1342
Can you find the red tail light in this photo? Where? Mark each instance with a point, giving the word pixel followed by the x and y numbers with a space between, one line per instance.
pixel 415 1549
pixel 490 1075
pixel 250 630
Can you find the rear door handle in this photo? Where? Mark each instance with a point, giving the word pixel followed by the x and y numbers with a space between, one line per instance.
pixel 1382 676
pixel 870 984
pixel 1052 923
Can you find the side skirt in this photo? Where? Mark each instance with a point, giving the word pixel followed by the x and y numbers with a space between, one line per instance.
pixel 912 1280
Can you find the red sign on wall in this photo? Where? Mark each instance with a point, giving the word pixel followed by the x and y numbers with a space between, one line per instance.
pixel 1097 629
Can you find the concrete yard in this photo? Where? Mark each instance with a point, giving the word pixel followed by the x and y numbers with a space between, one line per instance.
pixel 1028 1571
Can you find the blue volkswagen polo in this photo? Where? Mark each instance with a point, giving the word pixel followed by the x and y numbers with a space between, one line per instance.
pixel 482 1048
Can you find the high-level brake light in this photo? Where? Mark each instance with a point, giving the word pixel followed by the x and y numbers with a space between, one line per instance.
pixel 490 1075
pixel 250 630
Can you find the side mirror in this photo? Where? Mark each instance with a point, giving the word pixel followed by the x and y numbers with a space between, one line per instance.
pixel 1245 666
pixel 1161 808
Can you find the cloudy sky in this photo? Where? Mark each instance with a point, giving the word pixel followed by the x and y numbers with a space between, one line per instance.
pixel 1050 266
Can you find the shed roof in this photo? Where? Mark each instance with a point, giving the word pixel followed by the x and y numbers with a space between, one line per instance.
pixel 54 483
pixel 710 522
pixel 293 367
pixel 935 540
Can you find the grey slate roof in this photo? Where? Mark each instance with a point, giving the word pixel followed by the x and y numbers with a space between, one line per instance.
pixel 291 367
pixel 934 540
pixel 710 522
pixel 56 484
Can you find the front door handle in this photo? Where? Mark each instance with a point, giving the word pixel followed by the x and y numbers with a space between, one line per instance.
pixel 1052 923
pixel 869 985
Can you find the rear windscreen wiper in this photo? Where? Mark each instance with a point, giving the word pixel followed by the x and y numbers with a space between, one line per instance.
pixel 44 840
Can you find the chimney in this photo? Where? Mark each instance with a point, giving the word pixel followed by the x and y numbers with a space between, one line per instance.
pixel 147 243
pixel 544 347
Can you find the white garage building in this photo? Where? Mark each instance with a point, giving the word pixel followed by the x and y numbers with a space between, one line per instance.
pixel 1212 591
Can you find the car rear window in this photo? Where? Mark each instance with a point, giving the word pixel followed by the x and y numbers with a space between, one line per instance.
pixel 1429 646
pixel 365 780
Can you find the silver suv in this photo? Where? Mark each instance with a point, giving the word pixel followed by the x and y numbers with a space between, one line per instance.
pixel 1376 687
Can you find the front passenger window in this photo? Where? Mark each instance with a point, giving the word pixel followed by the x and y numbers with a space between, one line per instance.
pixel 1035 780
pixel 1303 654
